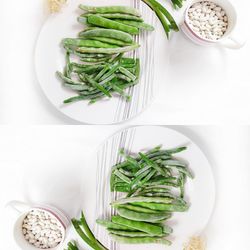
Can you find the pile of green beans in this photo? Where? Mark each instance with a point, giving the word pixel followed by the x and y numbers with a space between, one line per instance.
pixel 95 63
pixel 154 183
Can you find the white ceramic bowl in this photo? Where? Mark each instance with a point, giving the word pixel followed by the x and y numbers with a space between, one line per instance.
pixel 23 209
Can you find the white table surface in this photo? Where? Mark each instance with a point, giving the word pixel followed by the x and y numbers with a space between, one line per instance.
pixel 196 85
pixel 48 164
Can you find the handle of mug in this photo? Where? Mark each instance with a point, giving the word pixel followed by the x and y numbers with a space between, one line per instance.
pixel 233 43
pixel 18 207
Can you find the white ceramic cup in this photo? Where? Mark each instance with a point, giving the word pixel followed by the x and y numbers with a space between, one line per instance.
pixel 22 209
pixel 228 40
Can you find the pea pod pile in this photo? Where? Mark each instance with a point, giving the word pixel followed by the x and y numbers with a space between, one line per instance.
pixel 95 62
pixel 154 183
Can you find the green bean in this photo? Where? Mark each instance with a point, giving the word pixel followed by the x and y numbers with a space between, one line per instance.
pixel 127 173
pixel 111 9
pixel 151 163
pixel 68 67
pixel 176 150
pixel 136 208
pixel 157 190
pixel 140 216
pixel 139 25
pixel 182 184
pixel 66 79
pixel 89 69
pixel 110 24
pixel 110 40
pixel 77 87
pixel 142 170
pixel 140 240
pixel 118 16
pixel 173 164
pixel 126 60
pixel 112 70
pixel 108 79
pixel 85 55
pixel 128 158
pixel 83 236
pixel 86 227
pixel 98 86
pixel 123 77
pixel 145 180
pixel 112 225
pixel 146 227
pixel 108 33
pixel 122 176
pixel 136 181
pixel 131 234
pixel 163 206
pixel 108 50
pixel 121 188
pixel 93 60
pixel 87 43
pixel 72 246
pixel 127 73
pixel 164 11
pixel 120 91
pixel 143 199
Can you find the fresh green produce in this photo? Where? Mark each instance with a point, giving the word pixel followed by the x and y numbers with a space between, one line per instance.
pixel 148 180
pixel 177 3
pixel 95 63
pixel 83 230
pixel 111 9
pixel 72 246
pixel 163 14
pixel 140 240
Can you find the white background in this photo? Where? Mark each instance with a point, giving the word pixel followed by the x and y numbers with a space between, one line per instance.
pixel 197 85
pixel 48 164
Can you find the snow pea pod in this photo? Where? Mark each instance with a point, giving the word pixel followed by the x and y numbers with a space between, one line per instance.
pixel 139 25
pixel 111 9
pixel 140 216
pixel 146 227
pixel 131 234
pixel 118 16
pixel 163 206
pixel 108 33
pixel 136 208
pixel 87 43
pixel 140 240
pixel 143 199
pixel 110 40
pixel 108 50
pixel 112 225
pixel 110 24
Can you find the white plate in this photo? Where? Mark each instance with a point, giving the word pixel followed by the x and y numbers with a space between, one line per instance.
pixel 200 192
pixel 50 57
